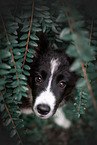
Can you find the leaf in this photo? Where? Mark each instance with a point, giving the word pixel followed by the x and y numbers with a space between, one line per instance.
pixel 71 51
pixel 8 121
pixel 23 43
pixel 4 72
pixel 5 66
pixel 76 65
pixel 13 133
pixel 24 89
pixel 17 51
pixel 19 70
pixel 22 49
pixel 19 96
pixel 4 54
pixel 54 29
pixel 1 88
pixel 1 98
pixel 61 18
pixel 34 29
pixel 29 60
pixel 65 34
pixel 17 90
pixel 78 24
pixel 36 24
pixel 13 70
pixel 24 94
pixel 25 29
pixel 27 67
pixel 22 82
pixel 26 73
pixel 43 26
pixel 29 55
pixel 42 8
pixel 23 37
pixel 81 83
pixel 20 126
pixel 15 83
pixel 21 76
pixel 48 21
pixel 34 37
pixel 32 43
pixel 31 51
pixel 2 107
pixel 18 64
pixel 2 81
pixel 19 56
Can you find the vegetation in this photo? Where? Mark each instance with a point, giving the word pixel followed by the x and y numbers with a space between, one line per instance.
pixel 68 28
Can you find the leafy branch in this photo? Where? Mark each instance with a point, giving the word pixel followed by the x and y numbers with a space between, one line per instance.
pixel 75 35
pixel 28 35
pixel 14 126
pixel 7 108
pixel 10 46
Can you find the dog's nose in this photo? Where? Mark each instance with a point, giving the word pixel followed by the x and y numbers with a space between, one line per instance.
pixel 43 109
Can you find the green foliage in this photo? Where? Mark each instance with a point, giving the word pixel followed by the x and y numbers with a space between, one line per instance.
pixel 67 30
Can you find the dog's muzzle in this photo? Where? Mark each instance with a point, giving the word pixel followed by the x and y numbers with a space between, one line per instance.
pixel 43 111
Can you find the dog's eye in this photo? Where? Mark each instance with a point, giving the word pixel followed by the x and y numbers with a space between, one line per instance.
pixel 38 79
pixel 62 84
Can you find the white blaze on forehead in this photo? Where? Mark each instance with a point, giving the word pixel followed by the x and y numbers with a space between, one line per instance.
pixel 54 65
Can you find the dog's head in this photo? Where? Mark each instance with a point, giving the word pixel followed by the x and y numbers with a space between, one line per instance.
pixel 50 79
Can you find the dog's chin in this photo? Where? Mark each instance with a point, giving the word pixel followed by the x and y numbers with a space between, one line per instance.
pixel 49 115
pixel 44 117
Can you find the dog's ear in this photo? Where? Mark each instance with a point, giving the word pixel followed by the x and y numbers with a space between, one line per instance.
pixel 43 43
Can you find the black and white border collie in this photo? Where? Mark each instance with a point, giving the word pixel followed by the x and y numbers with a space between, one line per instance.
pixel 51 83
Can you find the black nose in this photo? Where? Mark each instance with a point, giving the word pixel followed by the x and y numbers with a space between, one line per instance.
pixel 43 109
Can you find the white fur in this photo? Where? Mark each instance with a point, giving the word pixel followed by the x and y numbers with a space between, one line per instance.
pixel 54 65
pixel 26 111
pixel 45 98
pixel 61 120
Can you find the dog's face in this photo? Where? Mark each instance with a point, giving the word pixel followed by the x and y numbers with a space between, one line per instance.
pixel 51 81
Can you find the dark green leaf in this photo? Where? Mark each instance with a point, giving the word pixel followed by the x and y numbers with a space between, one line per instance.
pixel 34 29
pixel 48 21
pixel 26 73
pixel 27 67
pixel 34 37
pixel 2 107
pixel 23 43
pixel 4 72
pixel 32 43
pixel 65 34
pixel 81 83
pixel 8 121
pixel 2 81
pixel 22 82
pixel 5 66
pixel 13 133
pixel 13 70
pixel 76 65
pixel 4 54
pixel 23 37
pixel 29 60
pixel 31 51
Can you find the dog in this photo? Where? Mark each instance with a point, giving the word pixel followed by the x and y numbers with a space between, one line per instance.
pixel 51 83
